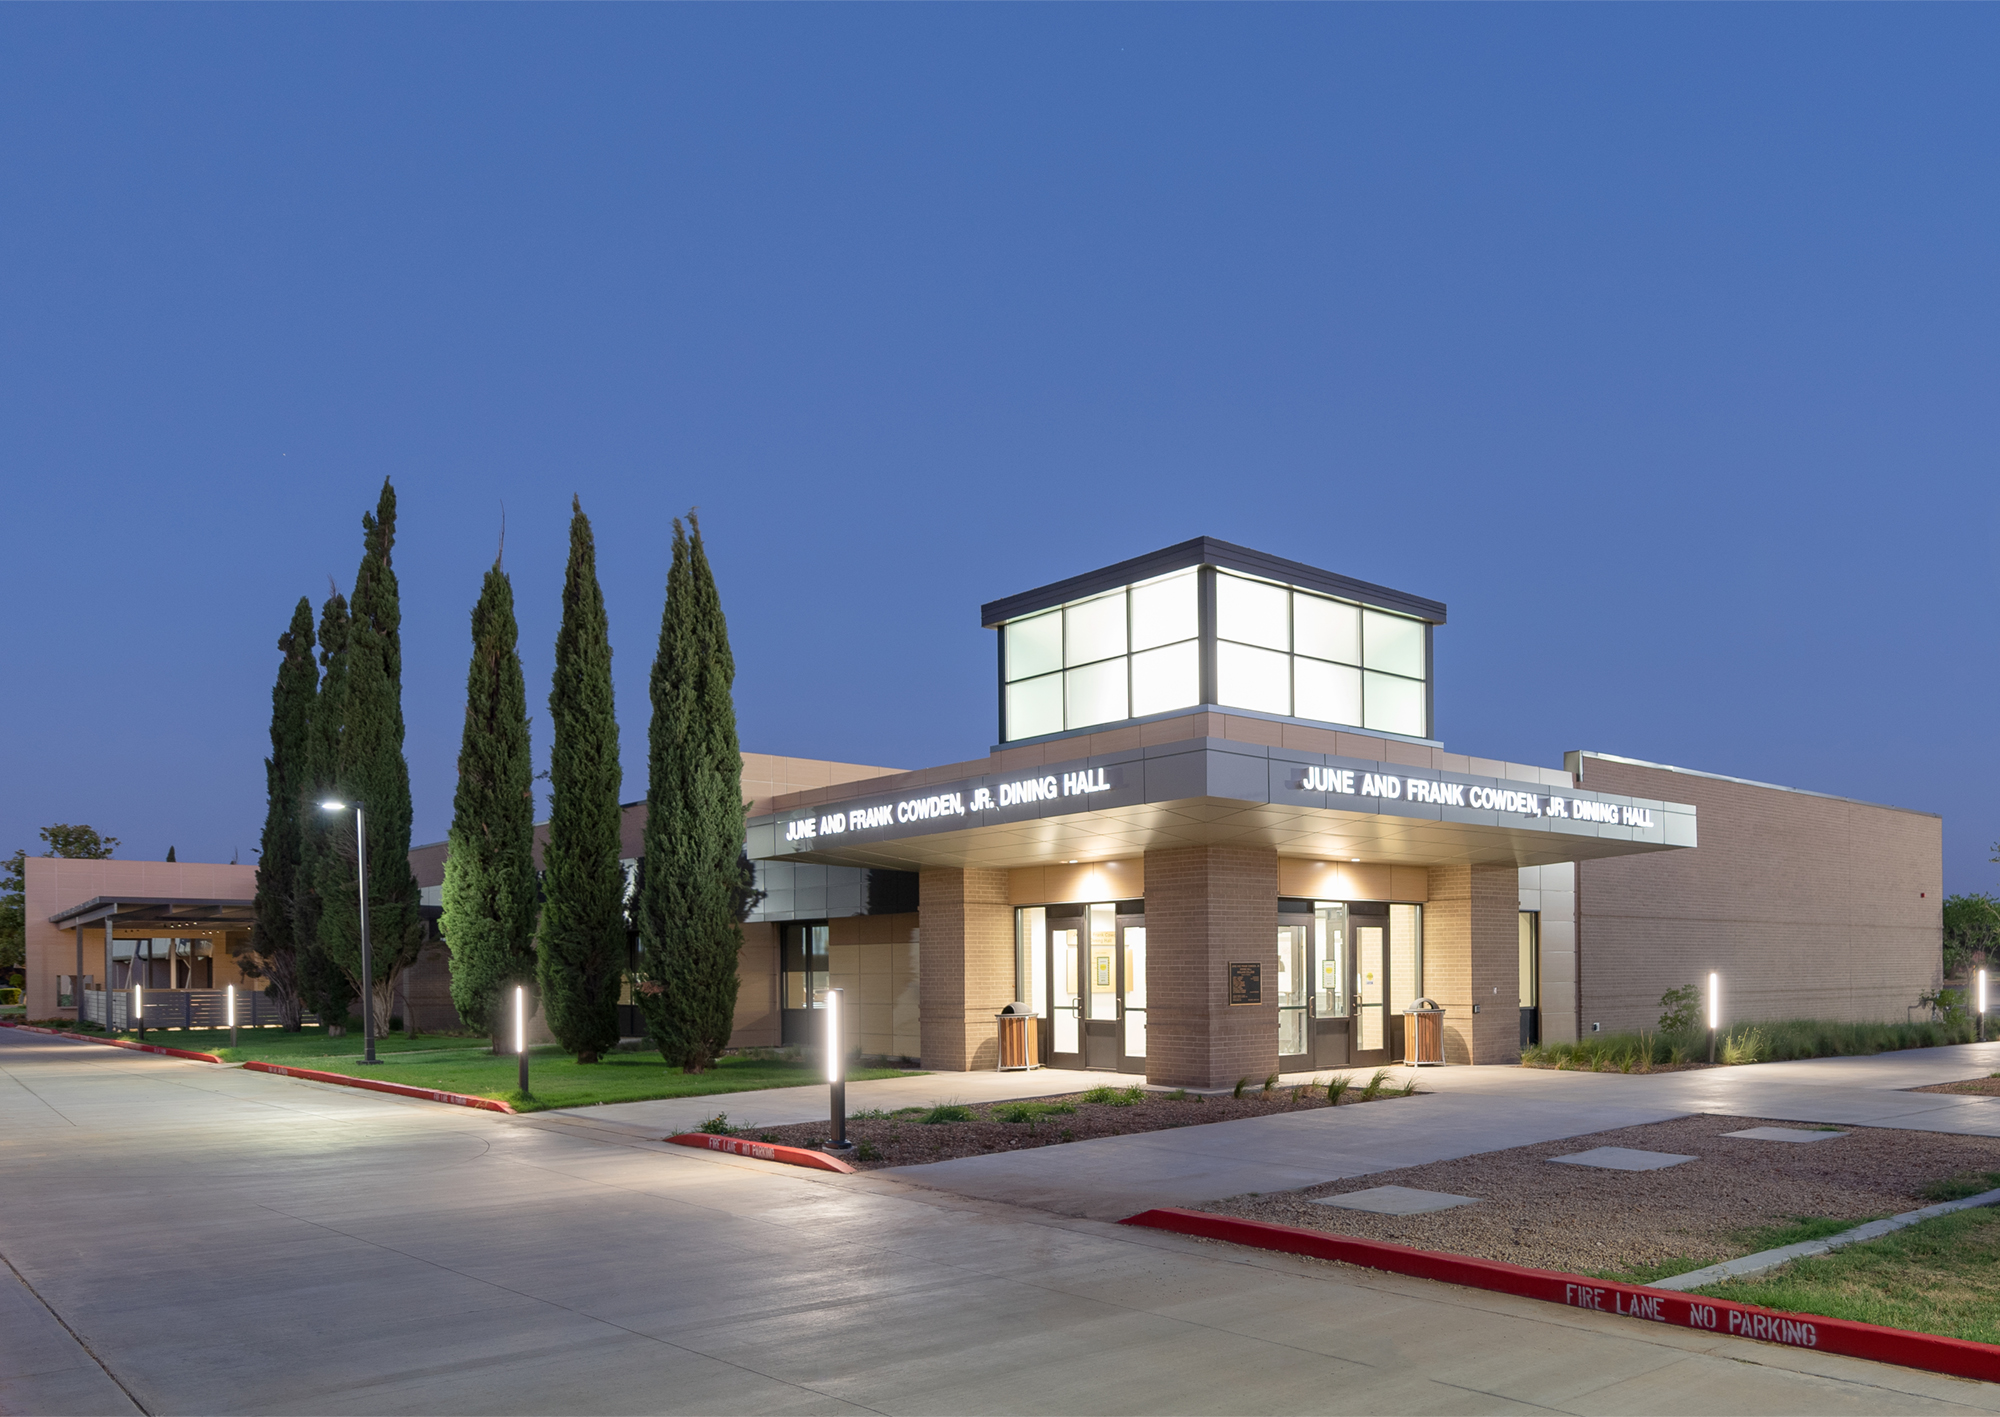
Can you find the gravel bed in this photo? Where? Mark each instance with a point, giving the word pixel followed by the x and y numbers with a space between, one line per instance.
pixel 905 1139
pixel 1583 1219
pixel 1979 1087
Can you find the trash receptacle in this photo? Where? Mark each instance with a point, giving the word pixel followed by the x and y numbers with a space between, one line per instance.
pixel 1020 1047
pixel 1423 1040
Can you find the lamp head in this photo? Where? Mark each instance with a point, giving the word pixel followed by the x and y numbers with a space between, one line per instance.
pixel 332 806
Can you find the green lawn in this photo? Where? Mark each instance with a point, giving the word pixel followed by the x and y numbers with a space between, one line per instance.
pixel 1941 1276
pixel 453 1064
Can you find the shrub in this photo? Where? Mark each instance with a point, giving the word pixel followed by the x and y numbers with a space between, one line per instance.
pixel 1337 1089
pixel 947 1112
pixel 1271 1081
pixel 1180 1094
pixel 1375 1085
pixel 1776 1042
pixel 1241 1083
pixel 1680 1009
pixel 1032 1112
pixel 1115 1096
pixel 717 1126
pixel 867 1151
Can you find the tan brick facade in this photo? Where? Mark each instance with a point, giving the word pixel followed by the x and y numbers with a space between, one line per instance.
pixel 1206 907
pixel 1472 956
pixel 1809 907
pixel 967 929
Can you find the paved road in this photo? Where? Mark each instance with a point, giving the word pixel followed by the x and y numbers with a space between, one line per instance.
pixel 185 1238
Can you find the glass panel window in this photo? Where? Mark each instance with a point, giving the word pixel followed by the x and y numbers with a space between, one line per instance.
pixel 1253 678
pixel 1393 644
pixel 1094 630
pixel 1326 629
pixel 1394 705
pixel 1165 611
pixel 1097 693
pixel 1531 921
pixel 1330 959
pixel 1328 692
pixel 1168 678
pixel 1034 646
pixel 1101 988
pixel 1035 707
pixel 1135 991
pixel 1252 613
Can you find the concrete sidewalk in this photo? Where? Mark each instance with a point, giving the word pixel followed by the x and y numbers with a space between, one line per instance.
pixel 216 1241
pixel 1466 1111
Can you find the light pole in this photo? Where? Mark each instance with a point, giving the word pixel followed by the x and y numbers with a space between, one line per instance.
pixel 521 1033
pixel 1714 1010
pixel 367 959
pixel 836 1076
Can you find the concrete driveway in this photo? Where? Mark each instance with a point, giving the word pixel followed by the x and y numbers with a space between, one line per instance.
pixel 185 1238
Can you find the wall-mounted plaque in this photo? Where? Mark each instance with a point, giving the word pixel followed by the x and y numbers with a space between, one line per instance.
pixel 1246 983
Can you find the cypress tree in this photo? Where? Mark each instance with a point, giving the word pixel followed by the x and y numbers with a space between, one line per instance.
pixel 324 987
pixel 693 892
pixel 285 773
pixel 580 948
pixel 489 871
pixel 371 768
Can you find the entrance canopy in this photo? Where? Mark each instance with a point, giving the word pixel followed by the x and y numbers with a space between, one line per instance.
pixel 1211 791
pixel 159 915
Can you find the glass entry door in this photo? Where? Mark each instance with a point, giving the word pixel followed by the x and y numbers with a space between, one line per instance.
pixel 1066 975
pixel 1371 1041
pixel 1331 1026
pixel 1101 989
pixel 1294 995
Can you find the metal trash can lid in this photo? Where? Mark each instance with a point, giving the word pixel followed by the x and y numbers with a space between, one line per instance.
pixel 1423 1006
pixel 1017 1009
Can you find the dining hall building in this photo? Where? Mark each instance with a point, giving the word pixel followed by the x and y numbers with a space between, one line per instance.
pixel 1217 836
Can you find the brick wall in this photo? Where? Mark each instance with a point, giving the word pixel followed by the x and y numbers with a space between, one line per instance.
pixel 1207 906
pixel 1472 955
pixel 967 929
pixel 1810 907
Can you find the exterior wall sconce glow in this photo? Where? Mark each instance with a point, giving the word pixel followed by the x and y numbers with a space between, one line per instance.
pixel 836 1075
pixel 1714 1010
pixel 367 959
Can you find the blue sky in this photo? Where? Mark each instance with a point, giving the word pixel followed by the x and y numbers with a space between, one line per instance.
pixel 1659 342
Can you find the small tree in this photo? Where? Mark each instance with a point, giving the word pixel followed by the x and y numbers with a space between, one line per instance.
pixel 489 869
pixel 73 842
pixel 693 894
pixel 324 987
pixel 1971 926
pixel 580 947
pixel 1680 1009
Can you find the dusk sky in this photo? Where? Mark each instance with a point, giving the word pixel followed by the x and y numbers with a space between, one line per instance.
pixel 1661 343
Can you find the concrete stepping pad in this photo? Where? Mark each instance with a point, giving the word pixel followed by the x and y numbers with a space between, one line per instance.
pixel 1396 1200
pixel 1622 1158
pixel 1799 1134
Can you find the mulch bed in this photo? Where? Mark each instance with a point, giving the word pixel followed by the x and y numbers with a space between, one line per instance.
pixel 1978 1087
pixel 1583 1219
pixel 905 1139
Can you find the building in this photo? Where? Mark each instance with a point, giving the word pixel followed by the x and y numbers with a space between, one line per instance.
pixel 1217 837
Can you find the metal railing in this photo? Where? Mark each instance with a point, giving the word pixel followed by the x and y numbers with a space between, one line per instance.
pixel 184 1008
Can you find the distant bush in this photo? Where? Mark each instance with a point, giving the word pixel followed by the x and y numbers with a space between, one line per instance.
pixel 1117 1096
pixel 1680 1009
pixel 947 1112
pixel 1746 1043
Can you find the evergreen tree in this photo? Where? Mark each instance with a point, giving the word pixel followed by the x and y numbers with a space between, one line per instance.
pixel 580 949
pixel 285 771
pixel 324 987
pixel 170 853
pixel 489 871
pixel 693 893
pixel 371 769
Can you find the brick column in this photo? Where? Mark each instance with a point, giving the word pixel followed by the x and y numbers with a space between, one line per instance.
pixel 1206 907
pixel 966 932
pixel 1472 947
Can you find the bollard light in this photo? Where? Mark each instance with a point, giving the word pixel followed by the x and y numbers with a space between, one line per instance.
pixel 1714 1010
pixel 232 1016
pixel 836 1076
pixel 1982 1006
pixel 139 1009
pixel 521 1032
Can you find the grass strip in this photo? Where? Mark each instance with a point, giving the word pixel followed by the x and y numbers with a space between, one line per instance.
pixel 1751 1241
pixel 1939 1276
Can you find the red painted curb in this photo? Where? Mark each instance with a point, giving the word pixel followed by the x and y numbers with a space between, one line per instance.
pixel 119 1043
pixel 761 1150
pixel 456 1099
pixel 1957 1356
